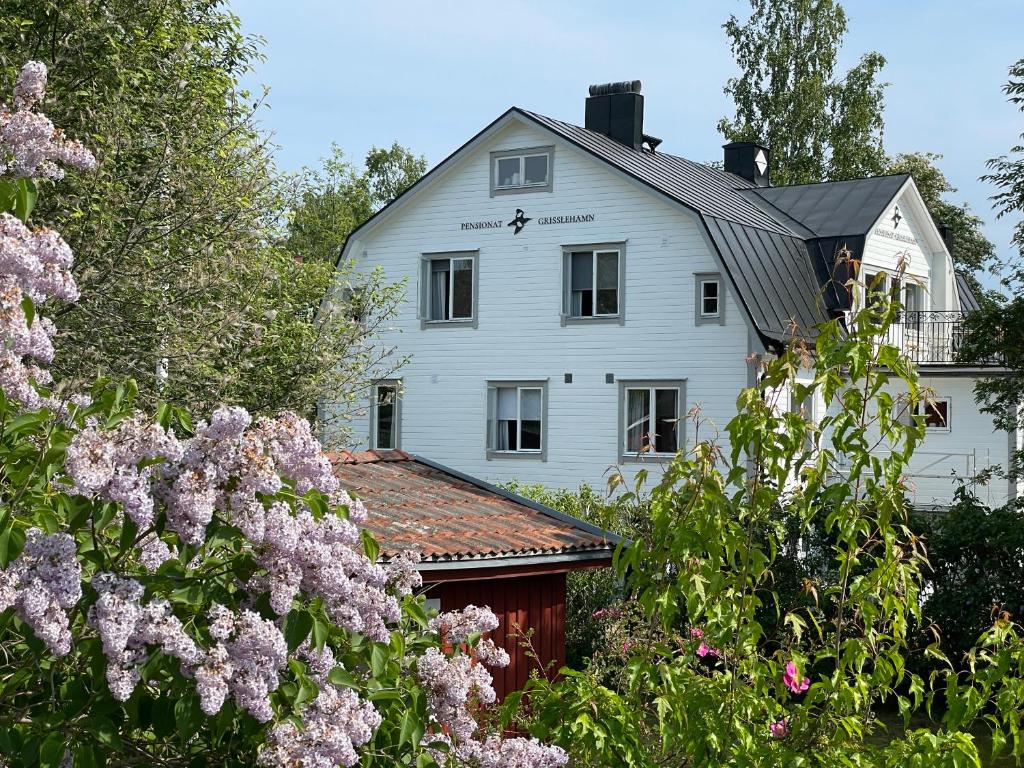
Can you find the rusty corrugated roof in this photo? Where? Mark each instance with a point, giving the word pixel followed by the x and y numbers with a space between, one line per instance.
pixel 417 504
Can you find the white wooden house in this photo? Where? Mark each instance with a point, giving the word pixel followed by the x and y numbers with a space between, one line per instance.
pixel 574 291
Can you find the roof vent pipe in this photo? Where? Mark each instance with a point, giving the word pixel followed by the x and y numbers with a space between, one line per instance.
pixel 617 111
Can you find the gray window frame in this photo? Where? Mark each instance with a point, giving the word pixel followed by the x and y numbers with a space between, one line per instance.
pixel 424 290
pixel 548 150
pixel 396 418
pixel 699 278
pixel 517 455
pixel 567 251
pixel 626 457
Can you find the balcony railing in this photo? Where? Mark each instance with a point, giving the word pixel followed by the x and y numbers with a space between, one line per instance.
pixel 932 338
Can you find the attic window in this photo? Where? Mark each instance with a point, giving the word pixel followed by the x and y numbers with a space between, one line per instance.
pixel 522 170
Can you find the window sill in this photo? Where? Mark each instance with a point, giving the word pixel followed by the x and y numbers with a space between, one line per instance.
pixel 520 455
pixel 599 320
pixel 467 323
pixel 642 458
pixel 499 191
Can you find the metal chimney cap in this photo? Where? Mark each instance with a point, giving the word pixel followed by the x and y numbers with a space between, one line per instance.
pixel 623 86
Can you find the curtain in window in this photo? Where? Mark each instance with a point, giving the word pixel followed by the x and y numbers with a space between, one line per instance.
pixel 638 410
pixel 507 417
pixel 439 289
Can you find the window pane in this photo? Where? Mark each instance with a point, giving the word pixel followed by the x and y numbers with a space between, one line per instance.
pixel 638 411
pixel 386 417
pixel 508 172
pixel 937 414
pixel 462 288
pixel 531 436
pixel 582 271
pixel 536 169
pixel 507 403
pixel 666 419
pixel 530 404
pixel 709 298
pixel 607 283
pixel 439 289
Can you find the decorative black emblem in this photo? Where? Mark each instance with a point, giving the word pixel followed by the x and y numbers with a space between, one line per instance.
pixel 897 217
pixel 518 222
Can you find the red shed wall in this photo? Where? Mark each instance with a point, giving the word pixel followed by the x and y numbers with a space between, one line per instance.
pixel 531 602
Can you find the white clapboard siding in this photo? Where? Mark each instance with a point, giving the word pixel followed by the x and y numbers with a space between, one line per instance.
pixel 519 333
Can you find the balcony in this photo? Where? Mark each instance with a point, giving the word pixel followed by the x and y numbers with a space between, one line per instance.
pixel 933 338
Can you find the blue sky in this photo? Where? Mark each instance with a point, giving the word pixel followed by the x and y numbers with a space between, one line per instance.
pixel 431 74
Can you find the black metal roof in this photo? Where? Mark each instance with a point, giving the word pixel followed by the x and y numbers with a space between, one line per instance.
pixel 968 301
pixel 835 208
pixel 780 246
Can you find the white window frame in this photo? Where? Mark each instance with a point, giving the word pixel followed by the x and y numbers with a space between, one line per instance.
pixel 651 385
pixel 921 410
pixel 539 385
pixel 700 279
pixel 521 155
pixel 426 294
pixel 594 249
pixel 396 414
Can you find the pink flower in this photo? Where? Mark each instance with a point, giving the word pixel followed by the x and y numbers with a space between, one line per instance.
pixel 696 632
pixel 779 729
pixel 706 650
pixel 791 679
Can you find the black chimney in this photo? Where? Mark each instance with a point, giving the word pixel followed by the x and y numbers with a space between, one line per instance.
pixel 749 160
pixel 947 236
pixel 617 111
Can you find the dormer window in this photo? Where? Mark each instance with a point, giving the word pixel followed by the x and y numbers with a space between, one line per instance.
pixel 521 170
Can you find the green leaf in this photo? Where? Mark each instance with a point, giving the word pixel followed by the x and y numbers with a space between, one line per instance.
pixel 379 659
pixel 104 731
pixel 52 750
pixel 340 676
pixel 297 627
pixel 26 198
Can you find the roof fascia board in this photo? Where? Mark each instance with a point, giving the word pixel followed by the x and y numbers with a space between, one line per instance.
pixel 523 501
pixel 504 561
pixel 432 176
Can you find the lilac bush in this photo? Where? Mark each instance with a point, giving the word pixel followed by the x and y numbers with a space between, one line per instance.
pixel 197 594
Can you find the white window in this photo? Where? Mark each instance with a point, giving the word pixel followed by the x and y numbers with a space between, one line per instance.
pixel 449 288
pixel 651 422
pixel 594 284
pixel 936 413
pixel 526 170
pixel 709 299
pixel 515 418
pixel 385 416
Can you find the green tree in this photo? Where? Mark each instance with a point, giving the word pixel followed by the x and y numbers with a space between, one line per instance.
pixel 188 285
pixel 972 250
pixel 997 331
pixel 334 199
pixel 787 96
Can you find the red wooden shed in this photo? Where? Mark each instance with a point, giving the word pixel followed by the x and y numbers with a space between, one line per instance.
pixel 481 545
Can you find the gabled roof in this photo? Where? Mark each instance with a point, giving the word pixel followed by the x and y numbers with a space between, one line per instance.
pixel 455 520
pixel 778 245
pixel 835 208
